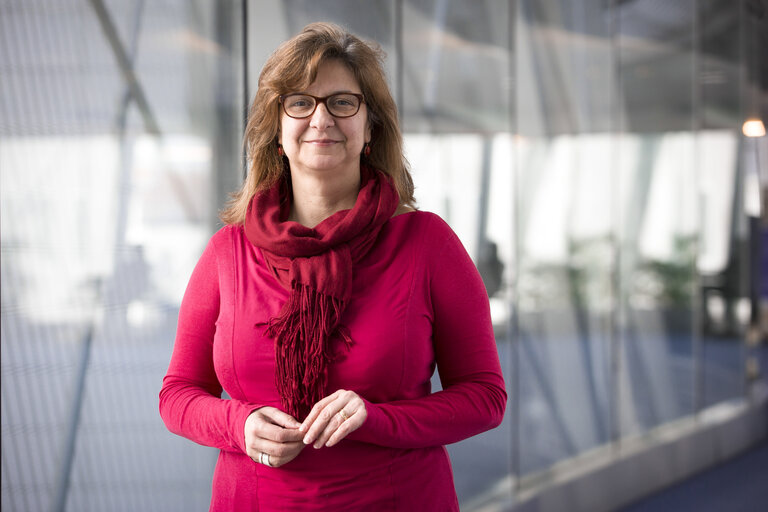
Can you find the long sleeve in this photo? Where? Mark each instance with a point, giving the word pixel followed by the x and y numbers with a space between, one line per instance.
pixel 473 398
pixel 190 398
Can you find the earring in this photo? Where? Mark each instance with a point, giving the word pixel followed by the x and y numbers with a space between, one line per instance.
pixel 367 149
pixel 280 150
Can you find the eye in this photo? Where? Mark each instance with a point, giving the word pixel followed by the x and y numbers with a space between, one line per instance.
pixel 299 102
pixel 344 102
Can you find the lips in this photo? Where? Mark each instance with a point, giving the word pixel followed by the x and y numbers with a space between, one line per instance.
pixel 322 142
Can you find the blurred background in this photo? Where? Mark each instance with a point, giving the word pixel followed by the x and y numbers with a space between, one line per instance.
pixel 604 162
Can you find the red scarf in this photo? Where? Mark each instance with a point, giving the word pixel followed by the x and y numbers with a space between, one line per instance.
pixel 316 265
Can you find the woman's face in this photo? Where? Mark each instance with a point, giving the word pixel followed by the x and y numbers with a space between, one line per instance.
pixel 321 142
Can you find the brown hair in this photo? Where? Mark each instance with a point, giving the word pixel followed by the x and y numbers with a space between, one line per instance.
pixel 293 67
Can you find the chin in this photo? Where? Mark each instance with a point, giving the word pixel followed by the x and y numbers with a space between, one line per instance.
pixel 328 164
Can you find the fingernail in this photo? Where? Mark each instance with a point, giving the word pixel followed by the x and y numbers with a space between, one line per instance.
pixel 317 446
pixel 303 428
pixel 307 439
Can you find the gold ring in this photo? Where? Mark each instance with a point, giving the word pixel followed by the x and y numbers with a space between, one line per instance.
pixel 343 415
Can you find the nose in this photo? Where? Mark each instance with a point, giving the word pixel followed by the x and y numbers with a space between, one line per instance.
pixel 321 118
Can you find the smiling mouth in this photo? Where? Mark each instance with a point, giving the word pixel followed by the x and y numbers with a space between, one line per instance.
pixel 322 142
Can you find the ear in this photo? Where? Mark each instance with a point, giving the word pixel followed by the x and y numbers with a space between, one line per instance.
pixel 368 131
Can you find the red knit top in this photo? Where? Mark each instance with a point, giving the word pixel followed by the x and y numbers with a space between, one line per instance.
pixel 417 302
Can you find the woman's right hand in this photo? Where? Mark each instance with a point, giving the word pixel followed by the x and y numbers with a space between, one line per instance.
pixel 271 431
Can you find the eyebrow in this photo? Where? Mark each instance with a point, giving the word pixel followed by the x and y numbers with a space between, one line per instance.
pixel 345 91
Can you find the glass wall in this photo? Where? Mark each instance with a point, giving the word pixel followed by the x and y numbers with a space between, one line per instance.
pixel 588 154
pixel 657 225
pixel 456 115
pixel 566 185
pixel 119 135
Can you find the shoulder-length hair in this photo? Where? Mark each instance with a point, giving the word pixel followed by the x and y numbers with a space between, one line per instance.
pixel 293 67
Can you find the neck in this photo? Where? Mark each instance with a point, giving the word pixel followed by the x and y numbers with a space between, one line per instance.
pixel 317 198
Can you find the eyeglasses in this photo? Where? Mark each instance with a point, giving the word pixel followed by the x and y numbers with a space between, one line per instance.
pixel 300 106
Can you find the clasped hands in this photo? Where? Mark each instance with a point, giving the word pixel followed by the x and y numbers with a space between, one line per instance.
pixel 281 437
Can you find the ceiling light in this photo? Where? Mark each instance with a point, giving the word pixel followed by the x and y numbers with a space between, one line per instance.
pixel 753 128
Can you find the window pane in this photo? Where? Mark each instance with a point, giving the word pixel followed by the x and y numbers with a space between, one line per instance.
pixel 724 156
pixel 565 90
pixel 119 127
pixel 456 97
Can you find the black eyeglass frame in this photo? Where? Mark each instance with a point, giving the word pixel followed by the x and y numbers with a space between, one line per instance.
pixel 319 100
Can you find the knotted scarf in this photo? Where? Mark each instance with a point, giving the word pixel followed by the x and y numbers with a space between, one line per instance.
pixel 316 265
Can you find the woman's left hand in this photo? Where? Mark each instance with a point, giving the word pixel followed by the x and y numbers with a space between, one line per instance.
pixel 333 418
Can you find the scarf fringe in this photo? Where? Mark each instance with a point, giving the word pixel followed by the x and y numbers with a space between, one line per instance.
pixel 303 332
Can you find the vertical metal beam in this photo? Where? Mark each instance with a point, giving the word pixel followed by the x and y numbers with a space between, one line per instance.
pixel 226 123
pixel 59 503
pixel 481 248
pixel 616 317
pixel 434 56
pixel 514 321
pixel 246 70
pixel 697 301
pixel 125 153
pixel 399 56
pixel 738 258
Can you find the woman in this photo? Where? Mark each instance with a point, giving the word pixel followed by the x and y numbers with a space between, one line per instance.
pixel 324 305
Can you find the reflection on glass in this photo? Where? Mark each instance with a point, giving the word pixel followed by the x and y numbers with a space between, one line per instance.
pixel 589 154
pixel 566 184
pixel 724 272
pixel 564 290
pixel 456 120
pixel 110 133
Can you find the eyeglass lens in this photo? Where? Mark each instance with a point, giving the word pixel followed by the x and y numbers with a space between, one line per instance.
pixel 339 105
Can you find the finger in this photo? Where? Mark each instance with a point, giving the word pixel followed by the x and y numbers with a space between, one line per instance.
pixel 350 425
pixel 275 450
pixel 318 417
pixel 316 410
pixel 277 461
pixel 344 422
pixel 264 428
pixel 329 417
pixel 277 434
pixel 325 416
pixel 336 422
pixel 279 453
pixel 269 431
pixel 280 418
